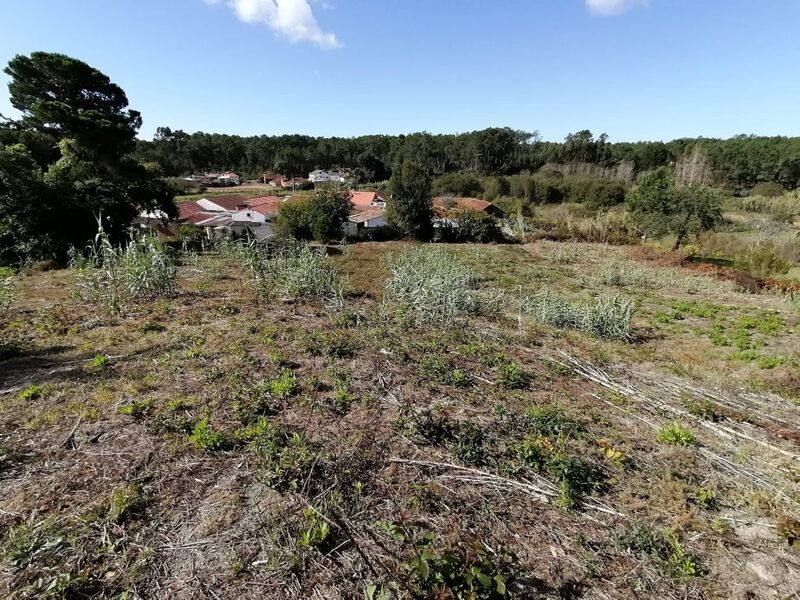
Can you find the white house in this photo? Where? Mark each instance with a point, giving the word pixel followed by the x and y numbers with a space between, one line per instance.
pixel 363 219
pixel 320 176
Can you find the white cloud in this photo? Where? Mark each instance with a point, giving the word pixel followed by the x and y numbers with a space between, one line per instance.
pixel 607 8
pixel 292 19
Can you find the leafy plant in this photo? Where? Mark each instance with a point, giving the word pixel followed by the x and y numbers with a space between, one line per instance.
pixel 467 572
pixel 137 408
pixel 315 530
pixel 512 376
pixel 676 434
pixel 283 386
pixel 31 392
pixel 206 437
pixel 125 501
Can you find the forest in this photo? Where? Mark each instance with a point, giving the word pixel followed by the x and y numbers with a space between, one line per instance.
pixel 736 164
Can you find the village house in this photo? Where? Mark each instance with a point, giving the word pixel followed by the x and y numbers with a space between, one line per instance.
pixel 367 199
pixel 320 176
pixel 238 216
pixel 363 219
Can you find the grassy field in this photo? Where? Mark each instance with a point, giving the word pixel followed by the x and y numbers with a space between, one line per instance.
pixel 494 431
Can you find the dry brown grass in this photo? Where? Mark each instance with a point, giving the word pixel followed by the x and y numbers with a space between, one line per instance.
pixel 244 520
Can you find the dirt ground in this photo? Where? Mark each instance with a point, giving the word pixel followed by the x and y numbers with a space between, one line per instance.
pixel 220 445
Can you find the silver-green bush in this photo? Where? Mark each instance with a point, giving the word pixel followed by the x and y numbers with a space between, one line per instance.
pixel 605 319
pixel 432 288
pixel 298 271
pixel 110 276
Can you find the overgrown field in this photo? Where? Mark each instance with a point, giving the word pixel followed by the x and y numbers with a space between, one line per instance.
pixel 543 421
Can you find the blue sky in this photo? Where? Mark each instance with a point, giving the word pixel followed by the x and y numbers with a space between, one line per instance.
pixel 635 69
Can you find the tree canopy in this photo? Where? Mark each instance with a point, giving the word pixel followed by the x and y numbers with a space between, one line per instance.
pixel 68 160
pixel 737 164
pixel 408 207
pixel 661 207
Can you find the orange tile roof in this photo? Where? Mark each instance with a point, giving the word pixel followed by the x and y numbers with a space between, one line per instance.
pixel 266 205
pixel 365 198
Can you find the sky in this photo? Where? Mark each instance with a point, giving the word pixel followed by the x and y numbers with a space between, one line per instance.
pixel 634 69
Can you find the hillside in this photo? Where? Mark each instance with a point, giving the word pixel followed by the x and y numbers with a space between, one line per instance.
pixel 487 438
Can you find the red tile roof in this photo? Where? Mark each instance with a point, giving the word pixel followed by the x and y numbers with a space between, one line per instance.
pixel 187 209
pixel 365 198
pixel 266 205
pixel 228 202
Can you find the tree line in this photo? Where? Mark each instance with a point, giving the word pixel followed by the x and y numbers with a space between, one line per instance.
pixel 737 164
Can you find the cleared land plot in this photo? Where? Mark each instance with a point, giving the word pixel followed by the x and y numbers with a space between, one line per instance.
pixel 216 444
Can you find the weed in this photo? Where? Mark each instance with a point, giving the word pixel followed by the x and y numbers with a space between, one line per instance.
pixel 576 478
pixel 26 544
pixel 551 421
pixel 100 362
pixel 534 451
pixel 31 392
pixel 207 438
pixel 153 327
pixel 676 434
pixel 300 272
pixel 284 386
pixel 707 498
pixel 512 376
pixel 471 444
pixel 342 396
pixel 467 572
pixel 314 531
pixel 440 369
pixel 110 276
pixel 665 547
pixel 125 501
pixel 789 530
pixel 136 409
pixel 703 409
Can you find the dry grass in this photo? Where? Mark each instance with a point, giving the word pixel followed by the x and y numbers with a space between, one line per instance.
pixel 229 448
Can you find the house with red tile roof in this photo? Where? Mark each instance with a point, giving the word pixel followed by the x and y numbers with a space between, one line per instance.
pixel 367 199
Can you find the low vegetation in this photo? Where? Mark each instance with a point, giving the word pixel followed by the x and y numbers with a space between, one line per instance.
pixel 430 287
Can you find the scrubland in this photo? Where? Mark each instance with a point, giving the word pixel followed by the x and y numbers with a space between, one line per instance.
pixel 547 420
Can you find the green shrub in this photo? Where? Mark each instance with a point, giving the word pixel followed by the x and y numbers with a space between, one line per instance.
pixel 31 392
pixel 136 409
pixel 762 260
pixel 768 189
pixel 283 386
pixel 125 501
pixel 550 421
